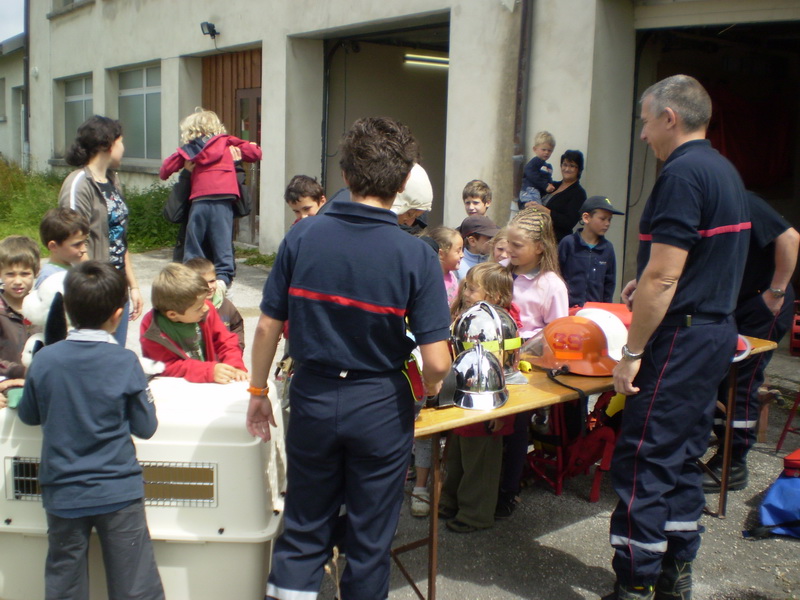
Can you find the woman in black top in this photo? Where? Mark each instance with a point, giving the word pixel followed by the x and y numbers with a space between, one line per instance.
pixel 564 204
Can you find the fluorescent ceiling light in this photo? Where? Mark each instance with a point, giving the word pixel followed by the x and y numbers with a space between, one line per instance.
pixel 423 60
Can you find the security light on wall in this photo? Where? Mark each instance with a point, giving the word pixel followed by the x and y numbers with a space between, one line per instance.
pixel 209 29
pixel 425 60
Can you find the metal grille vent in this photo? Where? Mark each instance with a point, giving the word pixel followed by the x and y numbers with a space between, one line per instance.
pixel 179 483
pixel 165 483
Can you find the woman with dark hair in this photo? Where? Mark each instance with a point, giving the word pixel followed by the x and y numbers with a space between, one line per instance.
pixel 93 190
pixel 564 204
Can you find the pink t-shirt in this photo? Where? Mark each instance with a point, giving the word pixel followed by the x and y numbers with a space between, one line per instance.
pixel 541 298
pixel 451 286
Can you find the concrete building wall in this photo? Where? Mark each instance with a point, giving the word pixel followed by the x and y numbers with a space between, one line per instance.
pixel 581 89
pixel 11 86
pixel 484 45
pixel 580 84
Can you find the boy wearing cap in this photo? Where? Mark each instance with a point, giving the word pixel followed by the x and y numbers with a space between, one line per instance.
pixel 586 257
pixel 477 231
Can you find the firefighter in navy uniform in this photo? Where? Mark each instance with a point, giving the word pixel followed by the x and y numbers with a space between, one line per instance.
pixel 347 281
pixel 693 238
pixel 764 310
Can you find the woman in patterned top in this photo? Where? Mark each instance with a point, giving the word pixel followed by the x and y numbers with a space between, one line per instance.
pixel 94 191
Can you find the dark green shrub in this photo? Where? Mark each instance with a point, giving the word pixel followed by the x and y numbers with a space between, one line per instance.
pixel 147 228
pixel 25 197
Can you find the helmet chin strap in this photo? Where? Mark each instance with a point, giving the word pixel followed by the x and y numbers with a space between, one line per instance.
pixel 552 375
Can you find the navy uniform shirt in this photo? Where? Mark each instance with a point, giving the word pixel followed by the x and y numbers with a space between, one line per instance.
pixel 760 267
pixel 347 281
pixel 699 204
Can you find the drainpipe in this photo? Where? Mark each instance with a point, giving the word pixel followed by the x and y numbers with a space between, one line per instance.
pixel 636 67
pixel 326 107
pixel 26 143
pixel 523 76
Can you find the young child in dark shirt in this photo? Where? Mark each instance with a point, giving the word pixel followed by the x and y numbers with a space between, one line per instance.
pixel 89 395
pixel 586 257
pixel 304 196
pixel 19 264
pixel 537 178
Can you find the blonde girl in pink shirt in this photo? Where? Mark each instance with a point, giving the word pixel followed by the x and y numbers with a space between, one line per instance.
pixel 539 291
pixel 541 296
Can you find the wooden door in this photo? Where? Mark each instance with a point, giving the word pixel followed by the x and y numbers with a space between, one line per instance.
pixel 248 127
pixel 232 89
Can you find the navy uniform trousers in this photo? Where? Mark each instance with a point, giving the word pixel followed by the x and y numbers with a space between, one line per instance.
pixel 665 427
pixel 753 318
pixel 348 439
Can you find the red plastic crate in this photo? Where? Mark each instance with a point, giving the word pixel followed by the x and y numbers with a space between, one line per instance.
pixel 794 341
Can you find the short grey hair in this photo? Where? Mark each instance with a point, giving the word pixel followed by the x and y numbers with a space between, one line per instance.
pixel 686 96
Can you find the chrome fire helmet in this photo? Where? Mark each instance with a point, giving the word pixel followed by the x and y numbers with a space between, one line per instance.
pixel 480 383
pixel 493 328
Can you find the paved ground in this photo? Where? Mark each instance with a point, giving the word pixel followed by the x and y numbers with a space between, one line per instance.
pixel 556 547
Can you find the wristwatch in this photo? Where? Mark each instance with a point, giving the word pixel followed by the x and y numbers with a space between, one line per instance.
pixel 778 292
pixel 630 355
pixel 257 391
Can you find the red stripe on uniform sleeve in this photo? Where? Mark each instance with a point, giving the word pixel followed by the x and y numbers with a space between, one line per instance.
pixel 738 227
pixel 725 229
pixel 344 301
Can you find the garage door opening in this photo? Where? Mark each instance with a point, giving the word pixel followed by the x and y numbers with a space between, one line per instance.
pixel 400 73
pixel 752 72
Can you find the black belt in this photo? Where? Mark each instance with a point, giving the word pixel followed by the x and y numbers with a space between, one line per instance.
pixel 338 373
pixel 678 320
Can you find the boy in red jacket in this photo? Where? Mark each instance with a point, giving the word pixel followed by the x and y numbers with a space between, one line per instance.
pixel 184 331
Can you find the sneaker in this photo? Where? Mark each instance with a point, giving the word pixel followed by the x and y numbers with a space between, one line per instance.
pixel 420 503
pixel 737 480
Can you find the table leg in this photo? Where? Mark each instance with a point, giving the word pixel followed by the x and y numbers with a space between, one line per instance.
pixel 433 538
pixel 432 541
pixel 727 451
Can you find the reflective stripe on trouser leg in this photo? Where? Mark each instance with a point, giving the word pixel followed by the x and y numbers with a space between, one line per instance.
pixel 348 439
pixel 753 318
pixel 378 447
pixel 664 428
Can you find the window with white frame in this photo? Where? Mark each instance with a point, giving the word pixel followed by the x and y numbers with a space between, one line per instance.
pixel 77 105
pixel 140 111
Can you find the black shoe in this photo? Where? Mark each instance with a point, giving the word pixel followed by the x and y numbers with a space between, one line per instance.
pixel 505 508
pixel 675 581
pixel 447 512
pixel 737 480
pixel 624 592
